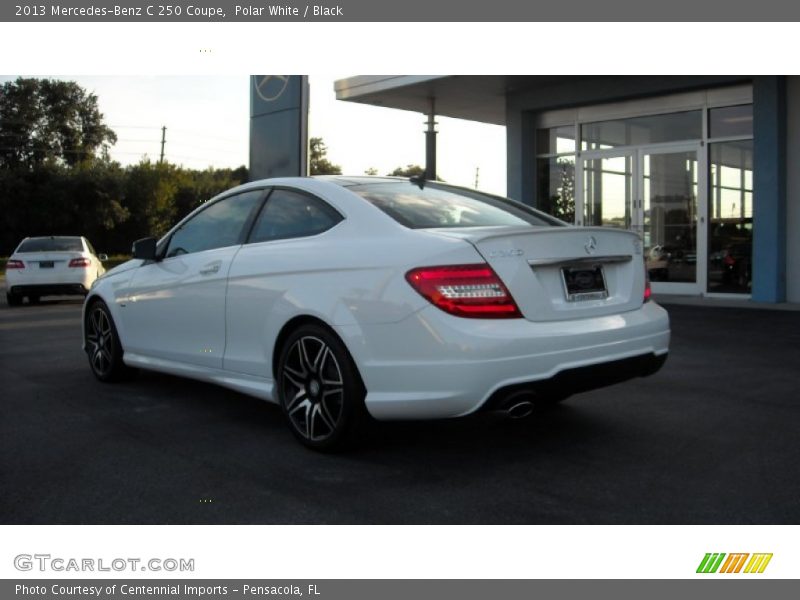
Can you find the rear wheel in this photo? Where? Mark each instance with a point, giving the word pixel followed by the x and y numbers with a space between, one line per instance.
pixel 13 299
pixel 320 390
pixel 102 344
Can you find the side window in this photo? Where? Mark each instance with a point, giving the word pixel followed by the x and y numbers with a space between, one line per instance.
pixel 218 226
pixel 289 214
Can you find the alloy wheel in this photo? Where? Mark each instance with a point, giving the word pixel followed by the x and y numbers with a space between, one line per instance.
pixel 100 340
pixel 313 389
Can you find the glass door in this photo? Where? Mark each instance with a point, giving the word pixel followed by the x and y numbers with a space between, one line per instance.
pixel 669 217
pixel 658 192
pixel 608 189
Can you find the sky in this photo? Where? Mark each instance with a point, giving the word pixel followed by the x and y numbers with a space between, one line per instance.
pixel 207 121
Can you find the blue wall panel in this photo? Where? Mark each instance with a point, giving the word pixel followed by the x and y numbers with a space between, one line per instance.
pixel 769 189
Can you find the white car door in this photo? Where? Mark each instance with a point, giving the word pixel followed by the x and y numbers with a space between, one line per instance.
pixel 281 248
pixel 175 307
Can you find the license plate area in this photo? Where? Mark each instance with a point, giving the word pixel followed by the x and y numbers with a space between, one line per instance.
pixel 584 283
pixel 46 264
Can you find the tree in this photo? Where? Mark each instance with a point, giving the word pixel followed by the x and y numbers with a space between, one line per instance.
pixel 46 121
pixel 195 187
pixel 156 195
pixel 408 171
pixel 58 200
pixel 149 195
pixel 318 162
pixel 371 171
pixel 562 203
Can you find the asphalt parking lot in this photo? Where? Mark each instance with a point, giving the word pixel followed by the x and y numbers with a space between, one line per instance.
pixel 713 438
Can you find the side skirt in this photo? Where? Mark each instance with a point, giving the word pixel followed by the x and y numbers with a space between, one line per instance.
pixel 259 387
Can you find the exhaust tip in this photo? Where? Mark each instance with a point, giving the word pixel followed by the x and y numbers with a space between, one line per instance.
pixel 513 403
pixel 520 410
pixel 519 405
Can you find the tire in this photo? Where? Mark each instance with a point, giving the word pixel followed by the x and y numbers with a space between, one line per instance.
pixel 102 344
pixel 320 390
pixel 13 299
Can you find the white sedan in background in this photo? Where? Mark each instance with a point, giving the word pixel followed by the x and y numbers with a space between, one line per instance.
pixel 51 266
pixel 346 297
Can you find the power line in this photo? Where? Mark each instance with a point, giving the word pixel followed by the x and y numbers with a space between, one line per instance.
pixel 185 132
pixel 148 141
pixel 184 157
pixel 133 127
pixel 196 147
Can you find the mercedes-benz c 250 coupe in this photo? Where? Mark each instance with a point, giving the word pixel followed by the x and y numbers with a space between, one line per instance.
pixel 345 298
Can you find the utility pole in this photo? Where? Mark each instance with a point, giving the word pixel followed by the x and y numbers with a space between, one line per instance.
pixel 477 174
pixel 163 141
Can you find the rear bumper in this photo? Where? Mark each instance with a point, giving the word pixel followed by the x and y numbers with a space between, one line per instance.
pixel 580 379
pixel 433 365
pixel 49 289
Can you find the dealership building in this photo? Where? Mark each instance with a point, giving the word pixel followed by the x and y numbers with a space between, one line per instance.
pixel 704 168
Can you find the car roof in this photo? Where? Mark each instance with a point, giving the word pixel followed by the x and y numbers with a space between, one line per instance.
pixel 348 180
pixel 341 180
pixel 55 237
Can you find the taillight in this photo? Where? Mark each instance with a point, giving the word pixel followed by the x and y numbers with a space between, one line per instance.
pixel 465 290
pixel 15 264
pixel 80 262
pixel 647 291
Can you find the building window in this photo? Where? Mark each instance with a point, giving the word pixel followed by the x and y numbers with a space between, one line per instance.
pixel 730 222
pixel 607 191
pixel 637 131
pixel 731 121
pixel 555 171
pixel 644 173
pixel 556 140
pixel 556 178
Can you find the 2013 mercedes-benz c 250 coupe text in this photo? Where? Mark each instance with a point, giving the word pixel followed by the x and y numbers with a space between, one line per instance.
pixel 342 298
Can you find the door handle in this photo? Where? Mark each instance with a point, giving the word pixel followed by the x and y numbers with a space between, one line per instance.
pixel 210 269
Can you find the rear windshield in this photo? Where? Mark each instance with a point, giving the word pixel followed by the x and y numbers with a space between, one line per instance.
pixel 59 244
pixel 438 205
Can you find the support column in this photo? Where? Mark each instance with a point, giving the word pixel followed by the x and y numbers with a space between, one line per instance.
pixel 520 156
pixel 769 189
pixel 430 143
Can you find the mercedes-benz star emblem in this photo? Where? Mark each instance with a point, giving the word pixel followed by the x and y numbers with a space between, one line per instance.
pixel 270 87
pixel 591 245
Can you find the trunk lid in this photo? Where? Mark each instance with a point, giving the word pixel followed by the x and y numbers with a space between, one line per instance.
pixel 557 273
pixel 44 263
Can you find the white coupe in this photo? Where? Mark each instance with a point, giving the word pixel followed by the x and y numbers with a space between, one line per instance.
pixel 342 298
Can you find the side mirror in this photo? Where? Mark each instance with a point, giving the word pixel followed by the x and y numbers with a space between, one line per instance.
pixel 145 249
pixel 102 257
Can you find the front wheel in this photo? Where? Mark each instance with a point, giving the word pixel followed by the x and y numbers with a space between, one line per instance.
pixel 102 344
pixel 320 390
